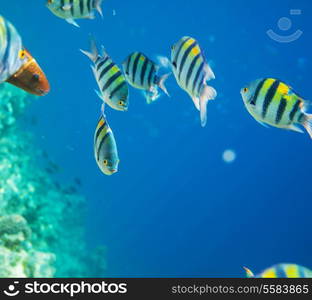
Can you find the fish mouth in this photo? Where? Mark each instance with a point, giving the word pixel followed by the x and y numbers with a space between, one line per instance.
pixel 40 92
pixel 111 172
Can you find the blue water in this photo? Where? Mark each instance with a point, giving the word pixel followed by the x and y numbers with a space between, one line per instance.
pixel 176 208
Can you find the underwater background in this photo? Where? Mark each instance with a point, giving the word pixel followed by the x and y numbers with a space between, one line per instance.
pixel 175 208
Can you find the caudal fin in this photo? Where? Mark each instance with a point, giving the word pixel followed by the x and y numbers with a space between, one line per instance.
pixel 161 83
pixel 208 93
pixel 93 55
pixel 98 7
pixel 307 124
pixel 164 61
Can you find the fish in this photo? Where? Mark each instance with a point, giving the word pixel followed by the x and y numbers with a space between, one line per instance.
pixel 113 86
pixel 105 147
pixel 30 77
pixel 192 72
pixel 17 66
pixel 75 9
pixel 141 73
pixel 282 271
pixel 273 102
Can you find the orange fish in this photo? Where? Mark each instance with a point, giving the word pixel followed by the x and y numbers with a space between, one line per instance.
pixel 30 76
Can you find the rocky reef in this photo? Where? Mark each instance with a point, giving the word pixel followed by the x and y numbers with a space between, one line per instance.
pixel 41 221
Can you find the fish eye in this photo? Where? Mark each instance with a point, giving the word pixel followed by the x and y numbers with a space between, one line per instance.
pixel 245 90
pixel 105 162
pixel 22 54
pixel 121 103
pixel 50 1
pixel 36 77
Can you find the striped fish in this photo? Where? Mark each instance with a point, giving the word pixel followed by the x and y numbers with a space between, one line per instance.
pixel 192 72
pixel 282 271
pixel 12 56
pixel 270 101
pixel 105 148
pixel 74 9
pixel 113 86
pixel 141 73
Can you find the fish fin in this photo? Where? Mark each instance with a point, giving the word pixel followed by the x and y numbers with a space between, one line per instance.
pixel 72 22
pixel 94 71
pixel 91 16
pixel 147 96
pixel 103 110
pixel 209 73
pixel 307 124
pixel 163 61
pixel 161 83
pixel 249 273
pixel 295 128
pixel 99 95
pixel 97 5
pixel 104 53
pixel 67 6
pixel 196 102
pixel 207 93
pixel 151 96
pixel 93 55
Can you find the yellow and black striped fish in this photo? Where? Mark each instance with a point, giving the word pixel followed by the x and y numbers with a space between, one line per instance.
pixel 113 86
pixel 141 73
pixel 105 148
pixel 282 271
pixel 192 72
pixel 271 101
pixel 74 9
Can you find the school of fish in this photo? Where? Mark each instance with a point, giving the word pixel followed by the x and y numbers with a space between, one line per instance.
pixel 269 101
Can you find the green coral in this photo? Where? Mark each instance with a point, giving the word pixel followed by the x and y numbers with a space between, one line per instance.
pixel 41 222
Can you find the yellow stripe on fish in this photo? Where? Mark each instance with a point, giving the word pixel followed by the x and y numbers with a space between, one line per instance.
pixel 273 102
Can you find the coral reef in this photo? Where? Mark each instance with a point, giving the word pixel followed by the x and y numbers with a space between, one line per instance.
pixel 41 221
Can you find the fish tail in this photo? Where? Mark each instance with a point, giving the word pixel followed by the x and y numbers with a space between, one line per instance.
pixel 93 55
pixel 164 61
pixel 307 123
pixel 161 83
pixel 208 93
pixel 97 5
